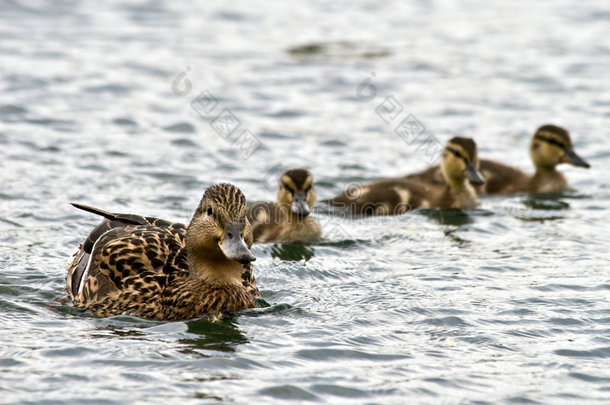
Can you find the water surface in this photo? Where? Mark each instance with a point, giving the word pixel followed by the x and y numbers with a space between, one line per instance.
pixel 115 106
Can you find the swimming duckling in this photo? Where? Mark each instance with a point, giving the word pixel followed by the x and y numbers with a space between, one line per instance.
pixel 398 196
pixel 551 145
pixel 157 269
pixel 288 219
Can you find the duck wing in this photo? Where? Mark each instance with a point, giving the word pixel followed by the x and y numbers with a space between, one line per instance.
pixel 383 197
pixel 79 265
pixel 128 269
pixel 500 178
pixel 432 176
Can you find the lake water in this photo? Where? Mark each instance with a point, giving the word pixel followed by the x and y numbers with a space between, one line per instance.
pixel 138 106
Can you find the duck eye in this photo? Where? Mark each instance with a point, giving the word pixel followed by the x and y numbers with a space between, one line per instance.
pixel 551 141
pixel 210 211
pixel 288 188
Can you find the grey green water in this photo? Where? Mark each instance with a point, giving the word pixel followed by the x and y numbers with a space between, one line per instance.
pixel 114 104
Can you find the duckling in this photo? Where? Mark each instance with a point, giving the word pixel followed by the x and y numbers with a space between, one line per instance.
pixel 288 219
pixel 551 145
pixel 156 269
pixel 459 169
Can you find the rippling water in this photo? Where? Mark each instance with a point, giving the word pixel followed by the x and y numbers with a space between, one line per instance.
pixel 114 105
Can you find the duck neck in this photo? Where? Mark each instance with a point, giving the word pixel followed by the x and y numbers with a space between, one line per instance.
pixel 545 171
pixel 289 218
pixel 547 180
pixel 461 193
pixel 457 186
pixel 213 267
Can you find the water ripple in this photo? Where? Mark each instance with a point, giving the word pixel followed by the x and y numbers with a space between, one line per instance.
pixel 504 303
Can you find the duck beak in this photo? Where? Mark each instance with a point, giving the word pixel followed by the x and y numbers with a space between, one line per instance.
pixel 299 204
pixel 233 245
pixel 572 158
pixel 473 174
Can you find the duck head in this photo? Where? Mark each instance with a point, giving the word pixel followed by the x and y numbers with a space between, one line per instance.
pixel 219 230
pixel 460 162
pixel 551 145
pixel 297 192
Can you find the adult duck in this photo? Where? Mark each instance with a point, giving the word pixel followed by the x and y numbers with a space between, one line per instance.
pixel 157 269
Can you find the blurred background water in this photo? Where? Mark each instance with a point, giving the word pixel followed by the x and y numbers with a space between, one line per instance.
pixel 105 104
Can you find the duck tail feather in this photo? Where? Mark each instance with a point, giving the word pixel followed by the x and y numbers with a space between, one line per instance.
pixel 96 211
pixel 129 219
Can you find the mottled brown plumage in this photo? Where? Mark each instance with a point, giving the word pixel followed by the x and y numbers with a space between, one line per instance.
pixel 398 196
pixel 288 219
pixel 157 269
pixel 551 145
